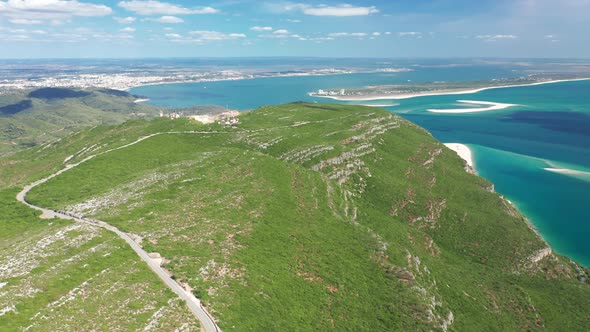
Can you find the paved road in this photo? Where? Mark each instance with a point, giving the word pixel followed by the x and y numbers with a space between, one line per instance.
pixel 194 304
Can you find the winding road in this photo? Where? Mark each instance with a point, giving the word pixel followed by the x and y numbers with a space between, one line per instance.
pixel 207 322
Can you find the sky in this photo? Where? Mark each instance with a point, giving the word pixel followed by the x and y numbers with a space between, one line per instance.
pixel 322 28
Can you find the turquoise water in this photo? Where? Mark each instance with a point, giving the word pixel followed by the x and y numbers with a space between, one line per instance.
pixel 549 129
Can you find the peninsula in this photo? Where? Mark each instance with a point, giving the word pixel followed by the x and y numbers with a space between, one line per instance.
pixel 413 90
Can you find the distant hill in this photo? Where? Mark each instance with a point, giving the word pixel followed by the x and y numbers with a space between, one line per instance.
pixel 57 93
pixel 117 93
pixel 301 217
pixel 42 115
pixel 15 108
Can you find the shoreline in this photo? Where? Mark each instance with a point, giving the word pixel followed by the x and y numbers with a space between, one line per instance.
pixel 441 93
pixel 245 78
pixel 463 151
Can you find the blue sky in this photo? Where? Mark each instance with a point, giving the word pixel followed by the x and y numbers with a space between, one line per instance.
pixel 392 28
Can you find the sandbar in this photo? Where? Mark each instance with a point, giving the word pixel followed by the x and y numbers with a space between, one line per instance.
pixel 492 106
pixel 439 93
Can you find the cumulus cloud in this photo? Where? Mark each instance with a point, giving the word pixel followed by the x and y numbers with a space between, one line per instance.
pixel 165 19
pixel 281 32
pixel 31 10
pixel 153 7
pixel 125 20
pixel 326 10
pixel 128 30
pixel 261 28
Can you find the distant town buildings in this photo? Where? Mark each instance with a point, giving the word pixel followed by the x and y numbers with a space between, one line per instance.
pixel 321 92
pixel 126 80
pixel 228 118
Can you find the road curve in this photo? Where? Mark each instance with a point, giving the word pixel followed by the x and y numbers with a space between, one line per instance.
pixel 194 304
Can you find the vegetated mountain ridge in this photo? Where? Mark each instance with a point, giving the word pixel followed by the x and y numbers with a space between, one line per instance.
pixel 314 217
pixel 30 118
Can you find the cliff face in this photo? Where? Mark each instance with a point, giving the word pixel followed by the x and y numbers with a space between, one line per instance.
pixel 315 217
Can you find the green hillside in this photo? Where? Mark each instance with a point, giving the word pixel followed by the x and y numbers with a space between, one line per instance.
pixel 32 118
pixel 302 217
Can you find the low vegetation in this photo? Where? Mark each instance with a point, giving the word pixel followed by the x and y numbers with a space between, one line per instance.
pixel 300 217
pixel 60 276
pixel 45 115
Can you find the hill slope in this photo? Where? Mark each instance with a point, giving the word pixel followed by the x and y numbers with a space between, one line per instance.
pixel 317 217
pixel 40 116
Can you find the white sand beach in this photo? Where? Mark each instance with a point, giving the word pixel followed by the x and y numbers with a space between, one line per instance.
pixel 441 93
pixel 463 151
pixel 492 106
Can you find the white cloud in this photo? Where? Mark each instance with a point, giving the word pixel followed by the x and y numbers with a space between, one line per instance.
pixel 173 35
pixel 347 34
pixel 376 34
pixel 261 28
pixel 317 39
pixel 551 38
pixel 128 30
pixel 68 36
pixel 58 22
pixel 204 35
pixel 125 20
pixel 410 33
pixel 153 7
pixel 32 10
pixel 165 19
pixel 25 21
pixel 293 21
pixel 496 37
pixel 280 34
pixel 336 10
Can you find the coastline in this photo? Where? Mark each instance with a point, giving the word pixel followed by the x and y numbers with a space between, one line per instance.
pixel 463 151
pixel 466 154
pixel 441 93
pixel 244 78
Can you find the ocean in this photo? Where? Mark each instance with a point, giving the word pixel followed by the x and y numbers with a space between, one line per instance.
pixel 548 129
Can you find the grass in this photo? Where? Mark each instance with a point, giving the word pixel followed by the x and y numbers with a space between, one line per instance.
pixel 45 115
pixel 61 276
pixel 317 217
